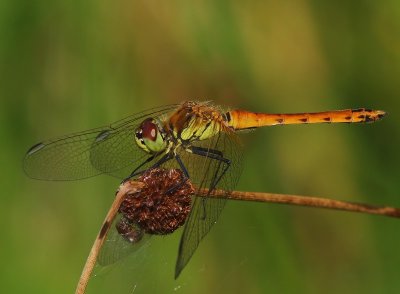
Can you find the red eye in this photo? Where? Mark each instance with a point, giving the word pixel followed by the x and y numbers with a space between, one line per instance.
pixel 149 129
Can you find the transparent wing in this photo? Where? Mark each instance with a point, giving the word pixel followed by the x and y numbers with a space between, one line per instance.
pixel 203 172
pixel 207 172
pixel 116 247
pixel 110 149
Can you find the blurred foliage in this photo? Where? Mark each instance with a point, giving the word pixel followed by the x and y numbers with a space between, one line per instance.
pixel 73 65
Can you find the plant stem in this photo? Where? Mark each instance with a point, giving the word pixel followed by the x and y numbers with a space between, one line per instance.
pixel 130 187
pixel 124 190
pixel 306 201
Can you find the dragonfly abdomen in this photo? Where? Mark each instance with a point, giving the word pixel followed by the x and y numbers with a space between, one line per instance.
pixel 241 119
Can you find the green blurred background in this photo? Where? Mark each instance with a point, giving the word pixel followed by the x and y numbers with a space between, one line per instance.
pixel 74 65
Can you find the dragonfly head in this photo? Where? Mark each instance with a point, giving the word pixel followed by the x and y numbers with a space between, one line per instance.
pixel 150 137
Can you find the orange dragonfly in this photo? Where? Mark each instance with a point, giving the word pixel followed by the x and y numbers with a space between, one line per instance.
pixel 198 138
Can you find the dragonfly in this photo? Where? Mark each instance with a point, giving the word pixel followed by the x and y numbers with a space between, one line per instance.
pixel 198 138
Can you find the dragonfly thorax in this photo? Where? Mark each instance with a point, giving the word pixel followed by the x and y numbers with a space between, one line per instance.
pixel 195 122
pixel 150 136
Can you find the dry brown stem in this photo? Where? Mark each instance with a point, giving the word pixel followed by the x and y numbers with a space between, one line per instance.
pixel 134 186
pixel 123 191
pixel 309 201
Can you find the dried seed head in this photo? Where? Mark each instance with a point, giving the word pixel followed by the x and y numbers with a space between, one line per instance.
pixel 161 206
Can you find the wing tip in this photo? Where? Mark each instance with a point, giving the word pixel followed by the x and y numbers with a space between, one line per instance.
pixel 178 271
pixel 180 265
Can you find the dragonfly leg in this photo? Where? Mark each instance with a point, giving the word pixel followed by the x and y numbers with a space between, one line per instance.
pixel 217 155
pixel 185 173
pixel 136 171
pixel 163 160
pixel 184 170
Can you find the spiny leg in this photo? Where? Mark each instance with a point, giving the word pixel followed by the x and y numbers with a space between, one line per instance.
pixel 217 155
pixel 168 156
pixel 136 171
pixel 185 173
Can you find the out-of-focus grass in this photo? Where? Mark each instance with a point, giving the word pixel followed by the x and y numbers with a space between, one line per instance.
pixel 75 65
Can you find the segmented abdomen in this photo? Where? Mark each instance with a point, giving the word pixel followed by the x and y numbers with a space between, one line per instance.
pixel 242 119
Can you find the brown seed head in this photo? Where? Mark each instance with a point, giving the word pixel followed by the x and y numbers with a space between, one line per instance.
pixel 161 206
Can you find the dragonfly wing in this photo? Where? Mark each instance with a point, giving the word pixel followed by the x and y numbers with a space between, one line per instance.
pixel 107 149
pixel 196 228
pixel 116 247
pixel 203 172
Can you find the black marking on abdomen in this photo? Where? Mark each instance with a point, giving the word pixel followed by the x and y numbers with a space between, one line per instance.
pixel 279 120
pixel 368 118
pixel 361 116
pixel 304 120
pixel 347 118
pixel 327 119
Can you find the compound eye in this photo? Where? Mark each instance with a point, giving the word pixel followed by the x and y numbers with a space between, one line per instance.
pixel 149 136
pixel 149 129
